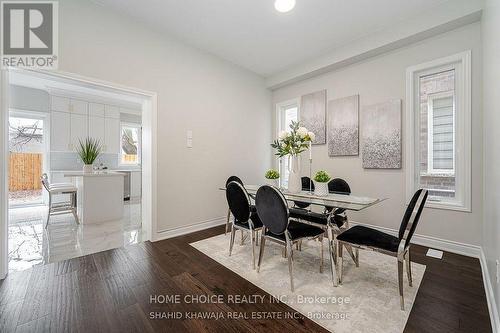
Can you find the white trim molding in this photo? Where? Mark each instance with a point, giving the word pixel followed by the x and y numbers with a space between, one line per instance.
pixel 4 173
pixel 179 231
pixel 461 63
pixel 490 295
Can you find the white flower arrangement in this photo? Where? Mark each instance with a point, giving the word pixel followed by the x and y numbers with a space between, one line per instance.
pixel 293 142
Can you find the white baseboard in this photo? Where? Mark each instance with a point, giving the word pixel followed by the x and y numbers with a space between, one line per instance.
pixel 179 231
pixel 490 295
pixel 433 242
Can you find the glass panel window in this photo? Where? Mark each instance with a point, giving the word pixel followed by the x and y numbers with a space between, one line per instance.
pixel 437 133
pixel 287 112
pixel 130 144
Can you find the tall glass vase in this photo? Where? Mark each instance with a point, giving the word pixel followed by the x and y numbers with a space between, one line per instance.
pixel 294 181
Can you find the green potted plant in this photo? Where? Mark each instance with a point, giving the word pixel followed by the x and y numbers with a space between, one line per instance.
pixel 88 150
pixel 272 177
pixel 321 180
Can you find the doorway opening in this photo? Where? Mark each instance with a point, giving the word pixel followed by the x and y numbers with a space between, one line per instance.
pixel 43 141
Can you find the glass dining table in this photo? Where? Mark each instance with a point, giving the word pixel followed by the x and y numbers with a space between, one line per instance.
pixel 345 201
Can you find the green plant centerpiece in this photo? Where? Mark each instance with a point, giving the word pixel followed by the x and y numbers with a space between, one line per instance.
pixel 88 150
pixel 290 144
pixel 272 177
pixel 321 180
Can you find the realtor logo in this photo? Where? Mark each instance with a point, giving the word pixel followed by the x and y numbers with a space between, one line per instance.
pixel 29 34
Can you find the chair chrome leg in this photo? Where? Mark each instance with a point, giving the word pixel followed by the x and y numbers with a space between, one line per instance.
pixel 257 238
pixel 321 255
pixel 340 259
pixel 231 241
pixel 331 248
pixel 252 238
pixel 400 282
pixel 289 246
pixel 356 253
pixel 74 211
pixel 261 250
pixel 227 221
pixel 242 238
pixel 408 268
pixel 352 253
pixel 48 213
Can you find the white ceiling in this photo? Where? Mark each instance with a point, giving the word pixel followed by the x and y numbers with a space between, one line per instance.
pixel 251 33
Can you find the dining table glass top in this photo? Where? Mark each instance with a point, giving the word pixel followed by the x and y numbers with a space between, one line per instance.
pixel 333 199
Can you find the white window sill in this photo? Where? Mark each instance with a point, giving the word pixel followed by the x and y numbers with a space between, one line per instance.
pixel 447 206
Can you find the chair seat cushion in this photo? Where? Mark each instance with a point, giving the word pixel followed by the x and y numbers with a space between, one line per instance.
pixel 62 189
pixel 54 185
pixel 314 217
pixel 370 237
pixel 297 231
pixel 257 223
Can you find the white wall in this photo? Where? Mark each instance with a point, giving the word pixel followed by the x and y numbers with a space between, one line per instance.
pixel 380 79
pixel 226 107
pixel 491 102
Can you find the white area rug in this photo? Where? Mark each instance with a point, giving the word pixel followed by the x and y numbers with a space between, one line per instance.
pixel 367 300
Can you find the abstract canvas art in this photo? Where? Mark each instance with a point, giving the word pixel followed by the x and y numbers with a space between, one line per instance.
pixel 381 135
pixel 343 126
pixel 313 115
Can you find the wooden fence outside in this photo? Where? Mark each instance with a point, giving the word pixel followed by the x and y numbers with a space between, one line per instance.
pixel 25 171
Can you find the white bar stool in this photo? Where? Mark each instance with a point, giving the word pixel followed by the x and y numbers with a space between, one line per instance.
pixel 62 208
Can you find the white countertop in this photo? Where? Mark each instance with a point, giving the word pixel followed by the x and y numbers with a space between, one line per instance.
pixel 93 174
pixel 106 170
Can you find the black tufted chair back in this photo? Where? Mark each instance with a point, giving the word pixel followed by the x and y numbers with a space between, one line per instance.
pixel 233 179
pixel 306 184
pixel 338 185
pixel 410 219
pixel 272 209
pixel 238 201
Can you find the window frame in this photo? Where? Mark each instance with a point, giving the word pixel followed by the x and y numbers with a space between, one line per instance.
pixel 281 107
pixel 461 63
pixel 430 133
pixel 139 144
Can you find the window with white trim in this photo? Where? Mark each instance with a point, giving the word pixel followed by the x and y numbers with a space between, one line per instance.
pixel 439 131
pixel 130 144
pixel 286 113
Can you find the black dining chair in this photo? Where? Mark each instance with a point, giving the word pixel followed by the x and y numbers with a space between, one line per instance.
pixel 370 239
pixel 230 179
pixel 273 211
pixel 244 218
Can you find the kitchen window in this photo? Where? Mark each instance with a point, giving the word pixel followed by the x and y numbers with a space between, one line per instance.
pixel 439 131
pixel 130 144
pixel 286 112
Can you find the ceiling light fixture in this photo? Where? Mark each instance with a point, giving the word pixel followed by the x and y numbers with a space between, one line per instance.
pixel 284 6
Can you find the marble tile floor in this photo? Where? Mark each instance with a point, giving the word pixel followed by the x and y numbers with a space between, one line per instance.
pixel 30 244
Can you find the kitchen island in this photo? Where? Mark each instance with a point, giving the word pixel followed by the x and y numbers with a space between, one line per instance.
pixel 99 195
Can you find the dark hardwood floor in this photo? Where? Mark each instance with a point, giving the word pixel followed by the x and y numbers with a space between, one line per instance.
pixel 110 292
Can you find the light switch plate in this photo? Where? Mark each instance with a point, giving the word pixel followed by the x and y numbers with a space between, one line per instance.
pixel 435 254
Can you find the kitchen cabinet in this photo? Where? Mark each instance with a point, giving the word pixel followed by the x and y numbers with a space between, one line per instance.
pixel 112 111
pixel 64 104
pixel 135 184
pixel 60 133
pixel 112 135
pixel 78 129
pixel 97 129
pixel 96 110
pixel 60 104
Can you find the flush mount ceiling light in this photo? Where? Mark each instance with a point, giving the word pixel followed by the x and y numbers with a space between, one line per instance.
pixel 284 6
